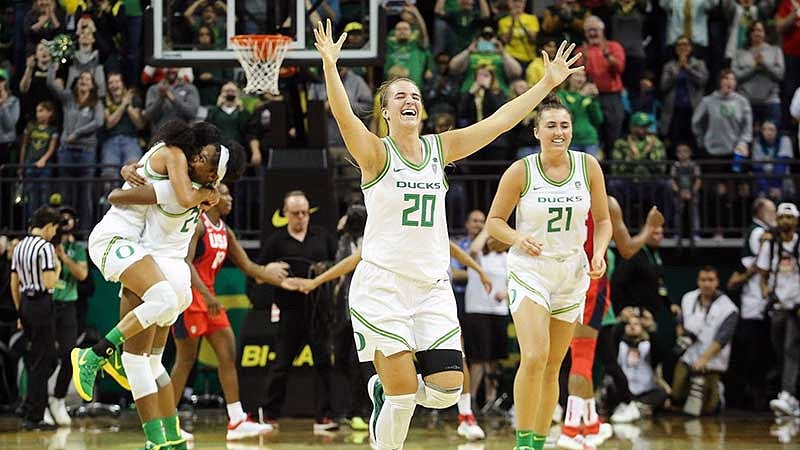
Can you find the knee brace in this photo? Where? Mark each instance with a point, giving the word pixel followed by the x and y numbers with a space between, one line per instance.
pixel 159 371
pixel 582 356
pixel 435 361
pixel 137 368
pixel 160 305
pixel 432 396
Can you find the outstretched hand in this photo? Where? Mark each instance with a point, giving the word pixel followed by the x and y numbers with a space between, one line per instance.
pixel 328 49
pixel 557 70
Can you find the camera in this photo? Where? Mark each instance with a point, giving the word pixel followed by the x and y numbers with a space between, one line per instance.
pixel 395 7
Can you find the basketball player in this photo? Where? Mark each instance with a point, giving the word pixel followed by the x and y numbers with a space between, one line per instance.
pixel 213 241
pixel 548 271
pixel 401 300
pixel 582 424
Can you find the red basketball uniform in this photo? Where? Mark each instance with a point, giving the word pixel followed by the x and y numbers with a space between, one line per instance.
pixel 598 297
pixel 212 248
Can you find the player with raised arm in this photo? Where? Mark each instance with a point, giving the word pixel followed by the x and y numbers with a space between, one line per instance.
pixel 548 270
pixel 401 300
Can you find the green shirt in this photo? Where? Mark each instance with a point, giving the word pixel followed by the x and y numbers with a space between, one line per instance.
pixel 648 149
pixel 38 142
pixel 125 125
pixel 231 126
pixel 410 56
pixel 610 318
pixel 587 115
pixel 478 59
pixel 133 8
pixel 67 286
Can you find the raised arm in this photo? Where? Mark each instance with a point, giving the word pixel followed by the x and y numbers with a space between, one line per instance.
pixel 365 147
pixel 139 195
pixel 627 245
pixel 459 144
pixel 600 215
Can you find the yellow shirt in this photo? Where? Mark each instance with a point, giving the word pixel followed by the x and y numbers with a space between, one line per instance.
pixel 519 46
pixel 535 71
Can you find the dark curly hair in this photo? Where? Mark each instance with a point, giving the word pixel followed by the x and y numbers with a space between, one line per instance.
pixel 190 138
pixel 237 161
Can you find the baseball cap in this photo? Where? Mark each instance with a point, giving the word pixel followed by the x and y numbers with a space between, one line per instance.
pixel 353 26
pixel 640 119
pixel 788 209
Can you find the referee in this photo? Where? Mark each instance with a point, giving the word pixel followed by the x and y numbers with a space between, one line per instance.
pixel 34 274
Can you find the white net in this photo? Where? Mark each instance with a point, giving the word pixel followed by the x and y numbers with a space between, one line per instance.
pixel 261 57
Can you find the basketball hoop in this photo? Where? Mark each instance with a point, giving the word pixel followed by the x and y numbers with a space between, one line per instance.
pixel 261 56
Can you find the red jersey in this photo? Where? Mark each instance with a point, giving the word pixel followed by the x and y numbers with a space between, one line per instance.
pixel 791 37
pixel 588 246
pixel 212 249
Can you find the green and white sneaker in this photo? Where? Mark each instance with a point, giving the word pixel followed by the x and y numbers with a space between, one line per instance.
pixel 85 365
pixel 376 395
pixel 115 369
pixel 151 446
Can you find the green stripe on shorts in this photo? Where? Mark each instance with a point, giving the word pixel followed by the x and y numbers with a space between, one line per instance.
pixel 378 330
pixel 444 338
pixel 565 309
pixel 516 278
pixel 105 253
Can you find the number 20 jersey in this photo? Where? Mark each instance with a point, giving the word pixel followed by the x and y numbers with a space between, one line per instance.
pixel 554 212
pixel 406 231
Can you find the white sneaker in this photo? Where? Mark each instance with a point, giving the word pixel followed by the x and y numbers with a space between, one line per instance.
pixel 58 410
pixel 626 413
pixel 558 413
pixel 186 435
pixel 604 433
pixel 577 442
pixel 246 429
pixel 48 418
pixel 785 405
pixel 469 429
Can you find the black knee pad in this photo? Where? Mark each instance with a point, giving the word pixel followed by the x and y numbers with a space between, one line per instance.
pixel 435 361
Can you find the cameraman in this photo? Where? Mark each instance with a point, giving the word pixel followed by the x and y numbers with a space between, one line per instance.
pixel 780 286
pixel 74 269
pixel 705 331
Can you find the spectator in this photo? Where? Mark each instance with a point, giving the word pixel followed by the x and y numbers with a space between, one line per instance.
pixel 751 344
pixel 169 99
pixel 82 113
pixel 521 136
pixel 209 16
pixel 232 120
pixel 419 32
pixel 605 62
pixel 689 18
pixel 535 70
pixel 486 49
pixel 564 20
pixel 111 32
pixel 34 274
pixel 301 246
pixel 38 145
pixel 780 287
pixel 723 121
pixel 33 85
pixel 456 28
pixel 43 21
pixel 405 52
pixel 788 25
pixel 442 90
pixel 9 115
pixel 759 69
pixel 518 32
pixel 628 22
pixel 210 79
pixel 86 59
pixel 123 121
pixel 686 184
pixel 473 226
pixel 580 98
pixel 639 281
pixel 482 100
pixel 743 13
pixel 638 356
pixel 705 331
pixel 794 109
pixel 645 99
pixel 356 37
pixel 683 81
pixel 74 269
pixel 771 156
pixel 360 96
pixel 640 145
pixel 486 320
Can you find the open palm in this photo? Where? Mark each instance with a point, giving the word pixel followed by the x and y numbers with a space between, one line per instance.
pixel 329 49
pixel 560 67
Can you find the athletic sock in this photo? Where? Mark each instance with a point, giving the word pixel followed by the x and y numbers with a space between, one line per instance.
pixel 154 432
pixel 235 412
pixel 109 343
pixel 465 405
pixel 391 428
pixel 172 428
pixel 538 441
pixel 575 411
pixel 524 438
pixel 590 412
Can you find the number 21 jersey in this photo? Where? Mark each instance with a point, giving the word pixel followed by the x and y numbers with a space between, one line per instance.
pixel 406 231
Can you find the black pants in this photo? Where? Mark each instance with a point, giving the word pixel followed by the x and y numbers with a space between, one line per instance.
pixel 356 373
pixel 607 349
pixel 36 314
pixel 66 333
pixel 751 357
pixel 294 331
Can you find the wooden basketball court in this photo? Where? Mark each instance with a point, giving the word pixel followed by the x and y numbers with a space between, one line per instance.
pixel 739 432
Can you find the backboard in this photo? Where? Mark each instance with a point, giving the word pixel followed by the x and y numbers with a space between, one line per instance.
pixel 177 30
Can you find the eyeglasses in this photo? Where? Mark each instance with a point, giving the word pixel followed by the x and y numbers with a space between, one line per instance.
pixel 298 213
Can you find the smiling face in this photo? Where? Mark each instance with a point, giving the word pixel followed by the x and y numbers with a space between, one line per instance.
pixel 402 105
pixel 554 129
pixel 42 54
pixel 85 82
pixel 402 31
pixel 115 85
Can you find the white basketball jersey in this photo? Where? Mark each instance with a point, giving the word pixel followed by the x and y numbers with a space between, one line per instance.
pixel 554 213
pixel 168 227
pixel 406 230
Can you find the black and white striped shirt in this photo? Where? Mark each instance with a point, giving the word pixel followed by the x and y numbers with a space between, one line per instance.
pixel 32 257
